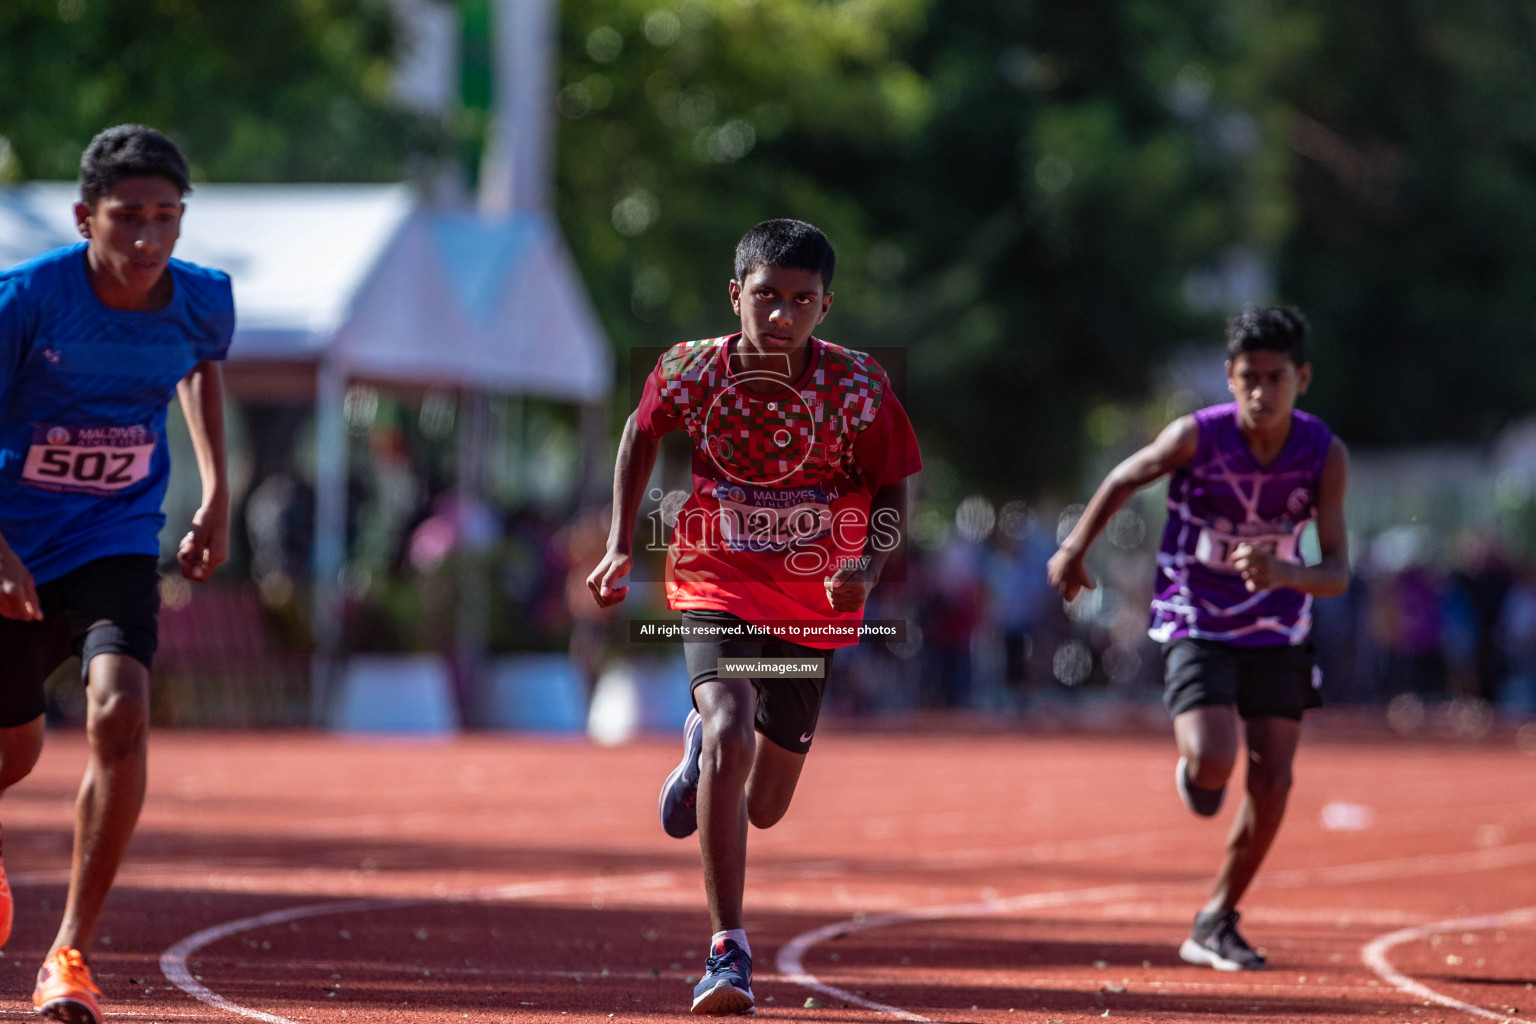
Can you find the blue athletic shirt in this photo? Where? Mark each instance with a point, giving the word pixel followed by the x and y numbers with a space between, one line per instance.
pixel 83 394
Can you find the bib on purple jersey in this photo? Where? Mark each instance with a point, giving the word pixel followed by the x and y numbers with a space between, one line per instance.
pixel 1224 498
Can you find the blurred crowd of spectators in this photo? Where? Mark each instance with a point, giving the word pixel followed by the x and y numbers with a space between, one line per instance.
pixel 1427 618
pixel 1434 620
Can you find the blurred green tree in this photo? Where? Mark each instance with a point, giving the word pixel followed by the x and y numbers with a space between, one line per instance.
pixel 1414 188
pixel 1041 201
pixel 1019 193
pixel 681 125
pixel 260 90
pixel 1085 176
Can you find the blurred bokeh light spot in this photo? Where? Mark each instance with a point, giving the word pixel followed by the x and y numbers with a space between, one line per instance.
pixel 912 646
pixel 574 101
pixel 1067 520
pixel 727 143
pixel 929 528
pixel 1106 424
pixel 360 407
pixel 1191 94
pixel 1053 174
pixel 635 212
pixel 439 409
pixel 1072 663
pixel 1525 738
pixel 175 592
pixel 975 518
pixel 1016 520
pixel 1405 714
pixel 1121 663
pixel 1127 529
pixel 662 28
pixel 604 44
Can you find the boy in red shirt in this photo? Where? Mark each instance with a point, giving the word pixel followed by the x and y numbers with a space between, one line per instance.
pixel 800 455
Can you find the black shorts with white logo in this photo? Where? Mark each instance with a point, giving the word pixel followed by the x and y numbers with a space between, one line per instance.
pixel 787 709
pixel 1262 682
pixel 107 606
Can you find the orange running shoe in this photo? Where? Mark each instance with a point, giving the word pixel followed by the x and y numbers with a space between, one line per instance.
pixel 6 906
pixel 64 989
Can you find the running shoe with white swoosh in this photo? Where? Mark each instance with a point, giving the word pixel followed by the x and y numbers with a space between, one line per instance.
pixel 1215 942
pixel 680 793
pixel 726 987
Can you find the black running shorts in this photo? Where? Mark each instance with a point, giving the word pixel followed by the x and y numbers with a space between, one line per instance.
pixel 787 709
pixel 1262 682
pixel 109 606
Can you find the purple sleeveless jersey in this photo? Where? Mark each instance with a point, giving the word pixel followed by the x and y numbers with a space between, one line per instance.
pixel 1224 498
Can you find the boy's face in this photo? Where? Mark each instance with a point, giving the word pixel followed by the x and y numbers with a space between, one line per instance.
pixel 1266 386
pixel 779 306
pixel 132 231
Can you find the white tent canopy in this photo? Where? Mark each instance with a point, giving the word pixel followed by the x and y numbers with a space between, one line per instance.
pixel 362 278
pixel 360 281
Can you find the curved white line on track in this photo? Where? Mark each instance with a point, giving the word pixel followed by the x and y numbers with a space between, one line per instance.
pixel 791 959
pixel 1375 956
pixel 173 962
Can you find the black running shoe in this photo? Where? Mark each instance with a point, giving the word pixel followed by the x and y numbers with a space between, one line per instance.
pixel 1204 802
pixel 726 987
pixel 680 793
pixel 1214 942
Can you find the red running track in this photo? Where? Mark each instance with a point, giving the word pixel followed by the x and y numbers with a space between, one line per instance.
pixel 953 878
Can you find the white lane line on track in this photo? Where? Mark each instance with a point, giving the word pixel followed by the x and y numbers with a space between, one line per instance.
pixel 470 972
pixel 770 978
pixel 791 962
pixel 1375 956
pixel 157 1015
pixel 173 962
pixel 791 959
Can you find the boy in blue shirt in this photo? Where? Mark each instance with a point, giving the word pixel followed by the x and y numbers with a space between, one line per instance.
pixel 95 339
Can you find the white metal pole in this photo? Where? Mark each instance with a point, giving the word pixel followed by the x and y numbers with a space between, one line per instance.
pixel 331 472
pixel 515 174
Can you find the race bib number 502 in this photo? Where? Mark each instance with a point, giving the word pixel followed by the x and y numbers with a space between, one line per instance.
pixel 1218 550
pixel 87 460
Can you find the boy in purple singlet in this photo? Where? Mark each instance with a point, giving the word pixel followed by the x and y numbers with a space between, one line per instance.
pixel 1233 600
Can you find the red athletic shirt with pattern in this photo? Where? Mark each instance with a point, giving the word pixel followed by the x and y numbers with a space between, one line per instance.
pixel 782 479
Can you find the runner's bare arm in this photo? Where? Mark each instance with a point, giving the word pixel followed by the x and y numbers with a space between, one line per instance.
pixel 1173 448
pixel 1330 576
pixel 848 587
pixel 18 594
pixel 206 545
pixel 631 470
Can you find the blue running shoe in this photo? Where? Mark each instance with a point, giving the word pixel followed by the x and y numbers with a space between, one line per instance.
pixel 680 793
pixel 727 983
